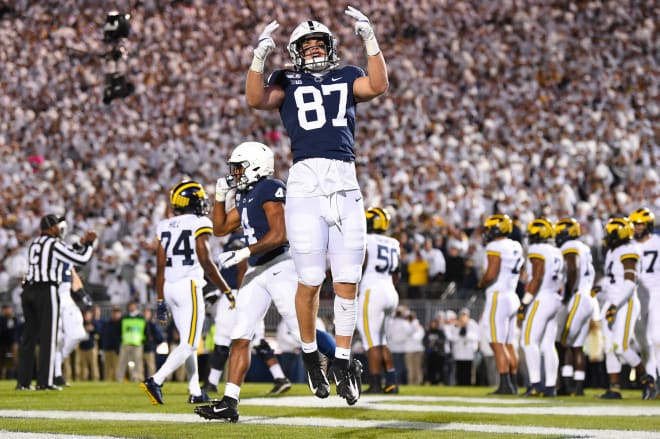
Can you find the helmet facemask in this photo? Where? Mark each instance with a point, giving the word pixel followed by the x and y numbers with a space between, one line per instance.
pixel 312 30
pixel 249 163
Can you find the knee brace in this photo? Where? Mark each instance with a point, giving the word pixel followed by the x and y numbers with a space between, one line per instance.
pixel 219 357
pixel 264 351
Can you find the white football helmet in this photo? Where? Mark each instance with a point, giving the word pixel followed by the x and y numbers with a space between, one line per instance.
pixel 312 29
pixel 248 163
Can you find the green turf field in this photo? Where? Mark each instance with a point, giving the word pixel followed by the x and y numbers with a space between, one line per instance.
pixel 123 410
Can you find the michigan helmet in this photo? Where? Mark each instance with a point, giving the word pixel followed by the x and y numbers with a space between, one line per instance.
pixel 378 220
pixel 249 163
pixel 566 229
pixel 540 230
pixel 312 29
pixel 189 196
pixel 497 225
pixel 618 231
pixel 644 216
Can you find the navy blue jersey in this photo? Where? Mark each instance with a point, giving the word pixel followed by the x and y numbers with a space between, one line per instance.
pixel 318 112
pixel 249 204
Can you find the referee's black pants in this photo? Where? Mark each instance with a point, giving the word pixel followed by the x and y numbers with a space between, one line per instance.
pixel 40 311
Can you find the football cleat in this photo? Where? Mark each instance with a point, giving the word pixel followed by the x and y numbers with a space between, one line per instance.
pixel 59 381
pixel 356 370
pixel 50 387
pixel 549 392
pixel 316 379
pixel 22 387
pixel 648 388
pixel 347 384
pixel 281 386
pixel 611 394
pixel 391 389
pixel 226 410
pixel 152 390
pixel 198 399
pixel 535 390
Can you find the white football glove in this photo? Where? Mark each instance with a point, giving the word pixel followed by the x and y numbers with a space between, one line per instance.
pixel 231 258
pixel 264 46
pixel 364 30
pixel 221 189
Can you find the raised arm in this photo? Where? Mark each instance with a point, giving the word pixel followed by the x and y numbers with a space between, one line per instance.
pixel 376 82
pixel 256 94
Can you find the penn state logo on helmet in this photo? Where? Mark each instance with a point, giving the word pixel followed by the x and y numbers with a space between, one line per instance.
pixel 618 231
pixel 497 225
pixel 642 216
pixel 188 196
pixel 566 229
pixel 312 30
pixel 540 230
pixel 378 220
pixel 249 163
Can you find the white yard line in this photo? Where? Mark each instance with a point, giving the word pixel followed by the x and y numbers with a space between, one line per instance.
pixel 389 403
pixel 375 402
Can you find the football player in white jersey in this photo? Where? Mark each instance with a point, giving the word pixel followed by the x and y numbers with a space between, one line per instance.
pixel 539 307
pixel 648 288
pixel 378 299
pixel 183 258
pixel 580 307
pixel 71 330
pixel 621 305
pixel 505 260
pixel 317 101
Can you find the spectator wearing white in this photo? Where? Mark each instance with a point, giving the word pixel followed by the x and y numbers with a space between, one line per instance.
pixel 435 258
pixel 397 334
pixel 465 344
pixel 414 347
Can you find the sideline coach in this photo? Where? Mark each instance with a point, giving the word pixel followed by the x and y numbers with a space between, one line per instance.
pixel 47 256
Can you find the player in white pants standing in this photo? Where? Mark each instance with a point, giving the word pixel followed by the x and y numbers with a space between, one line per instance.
pixel 621 305
pixel 378 299
pixel 183 258
pixel 579 307
pixel 539 307
pixel 505 261
pixel 648 290
pixel 71 330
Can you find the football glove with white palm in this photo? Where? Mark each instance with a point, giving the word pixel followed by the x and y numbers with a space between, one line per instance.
pixel 364 30
pixel 264 46
pixel 231 258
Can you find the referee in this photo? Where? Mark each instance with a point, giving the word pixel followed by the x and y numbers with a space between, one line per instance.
pixel 47 257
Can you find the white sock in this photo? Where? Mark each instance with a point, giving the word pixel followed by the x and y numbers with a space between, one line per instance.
pixel 276 371
pixel 214 376
pixel 309 347
pixel 233 391
pixel 342 353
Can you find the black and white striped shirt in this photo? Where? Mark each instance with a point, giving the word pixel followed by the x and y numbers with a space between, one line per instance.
pixel 47 257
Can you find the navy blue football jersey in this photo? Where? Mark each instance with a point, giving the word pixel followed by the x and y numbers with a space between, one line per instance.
pixel 318 112
pixel 249 204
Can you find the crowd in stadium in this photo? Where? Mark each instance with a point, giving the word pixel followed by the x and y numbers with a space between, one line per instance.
pixel 529 108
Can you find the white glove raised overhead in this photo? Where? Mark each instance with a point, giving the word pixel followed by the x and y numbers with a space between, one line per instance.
pixel 364 30
pixel 231 258
pixel 221 189
pixel 264 46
